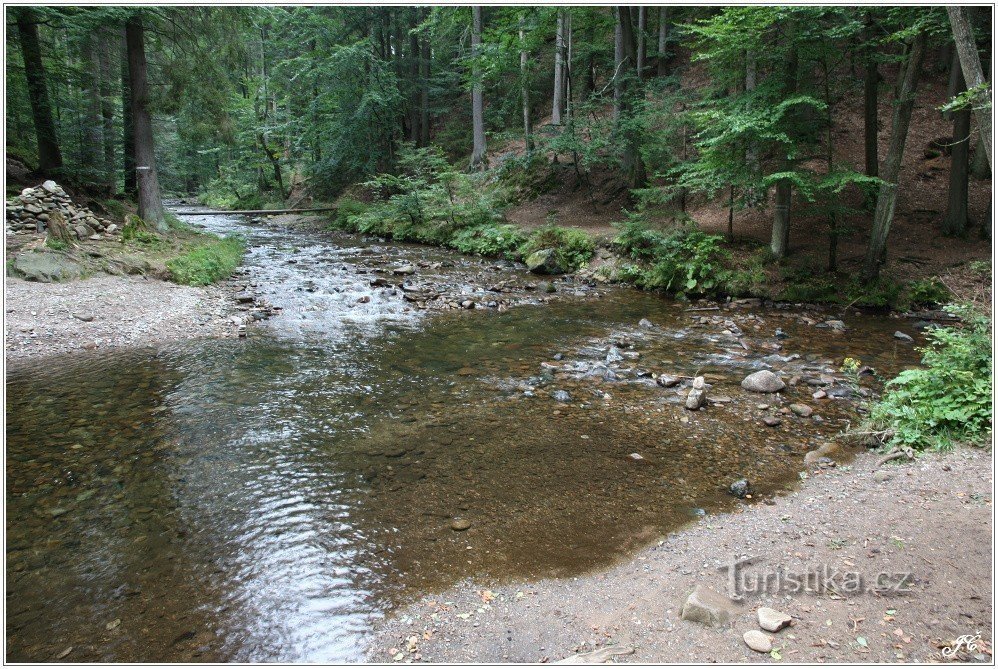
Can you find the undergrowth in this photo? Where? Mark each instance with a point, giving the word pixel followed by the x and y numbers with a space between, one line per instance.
pixel 212 261
pixel 947 400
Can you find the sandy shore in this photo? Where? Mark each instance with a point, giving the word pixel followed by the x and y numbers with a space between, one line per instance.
pixel 931 519
pixel 106 311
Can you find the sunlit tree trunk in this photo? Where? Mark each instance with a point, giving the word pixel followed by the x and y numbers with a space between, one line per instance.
pixel 150 202
pixel 780 238
pixel 887 197
pixel 49 156
pixel 557 102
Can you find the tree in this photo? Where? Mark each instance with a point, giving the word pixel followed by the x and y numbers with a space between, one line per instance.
pixel 871 121
pixel 150 202
pixel 955 221
pixel 663 37
pixel 49 155
pixel 528 132
pixel 887 195
pixel 557 99
pixel 478 158
pixel 970 63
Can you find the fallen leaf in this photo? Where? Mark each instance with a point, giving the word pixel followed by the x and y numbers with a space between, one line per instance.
pixel 114 623
pixel 486 595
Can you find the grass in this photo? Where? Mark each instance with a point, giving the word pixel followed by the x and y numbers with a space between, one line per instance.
pixel 209 262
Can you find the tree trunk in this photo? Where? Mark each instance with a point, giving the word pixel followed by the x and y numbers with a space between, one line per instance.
pixel 955 84
pixel 49 156
pixel 478 159
pixel 780 238
pixel 955 222
pixel 559 69
pixel 618 65
pixel 150 203
pixel 528 131
pixel 970 63
pixel 887 197
pixel 105 53
pixel 753 196
pixel 871 119
pixel 94 144
pixel 415 97
pixel 642 21
pixel 663 36
pixel 424 96
pixel 568 65
pixel 630 158
pixel 128 128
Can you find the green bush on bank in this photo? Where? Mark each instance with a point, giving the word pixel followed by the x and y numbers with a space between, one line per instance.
pixel 948 400
pixel 573 247
pixel 212 261
pixel 683 261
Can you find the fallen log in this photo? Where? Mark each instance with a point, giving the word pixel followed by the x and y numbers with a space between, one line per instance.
pixel 255 212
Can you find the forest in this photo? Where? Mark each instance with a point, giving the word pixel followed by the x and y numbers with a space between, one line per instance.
pixel 647 112
pixel 395 333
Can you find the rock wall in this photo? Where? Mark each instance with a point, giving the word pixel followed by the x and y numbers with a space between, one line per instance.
pixel 30 212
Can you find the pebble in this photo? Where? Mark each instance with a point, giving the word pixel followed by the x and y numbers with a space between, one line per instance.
pixel 771 421
pixel 757 641
pixel 460 524
pixel 802 410
pixel 772 620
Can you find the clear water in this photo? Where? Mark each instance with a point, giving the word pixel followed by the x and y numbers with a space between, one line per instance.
pixel 269 499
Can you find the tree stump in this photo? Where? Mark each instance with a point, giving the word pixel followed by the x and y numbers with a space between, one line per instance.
pixel 58 230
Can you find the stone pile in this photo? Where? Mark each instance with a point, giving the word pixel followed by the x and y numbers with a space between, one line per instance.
pixel 31 210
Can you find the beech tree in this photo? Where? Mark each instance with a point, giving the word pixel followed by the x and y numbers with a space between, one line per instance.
pixel 478 158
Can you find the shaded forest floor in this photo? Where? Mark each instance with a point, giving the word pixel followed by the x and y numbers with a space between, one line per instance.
pixel 916 247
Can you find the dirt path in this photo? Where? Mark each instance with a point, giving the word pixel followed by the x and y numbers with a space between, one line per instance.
pixel 931 518
pixel 108 311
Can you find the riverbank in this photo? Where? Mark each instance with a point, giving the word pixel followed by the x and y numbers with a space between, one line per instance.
pixel 931 519
pixel 105 311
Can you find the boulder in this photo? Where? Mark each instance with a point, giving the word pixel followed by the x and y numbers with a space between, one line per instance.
pixel 561 396
pixel 903 337
pixel 544 261
pixel 763 381
pixel 45 267
pixel 613 355
pixel 668 381
pixel 707 607
pixel 772 620
pixel 757 641
pixel 740 488
pixel 697 397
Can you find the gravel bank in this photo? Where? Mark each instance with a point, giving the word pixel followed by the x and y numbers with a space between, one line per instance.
pixel 108 312
pixel 932 518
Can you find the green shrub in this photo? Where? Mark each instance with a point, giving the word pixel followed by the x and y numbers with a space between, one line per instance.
pixel 56 244
pixel 216 259
pixel 948 400
pixel 346 209
pixel 748 277
pixel 683 261
pixel 926 292
pixel 489 240
pixel 573 247
pixel 881 293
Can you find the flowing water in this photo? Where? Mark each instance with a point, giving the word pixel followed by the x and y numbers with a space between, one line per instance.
pixel 270 498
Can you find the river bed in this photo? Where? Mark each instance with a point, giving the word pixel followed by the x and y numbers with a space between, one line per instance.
pixel 273 498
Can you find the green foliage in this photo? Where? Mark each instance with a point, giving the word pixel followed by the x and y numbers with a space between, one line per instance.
pixel 137 231
pixel 684 261
pixel 926 292
pixel 747 278
pixel 948 400
pixel 56 244
pixel 573 247
pixel 212 261
pixel 882 293
pixel 489 240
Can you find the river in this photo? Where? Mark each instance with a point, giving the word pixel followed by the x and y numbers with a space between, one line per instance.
pixel 272 498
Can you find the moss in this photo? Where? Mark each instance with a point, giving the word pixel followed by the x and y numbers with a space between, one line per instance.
pixel 208 263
